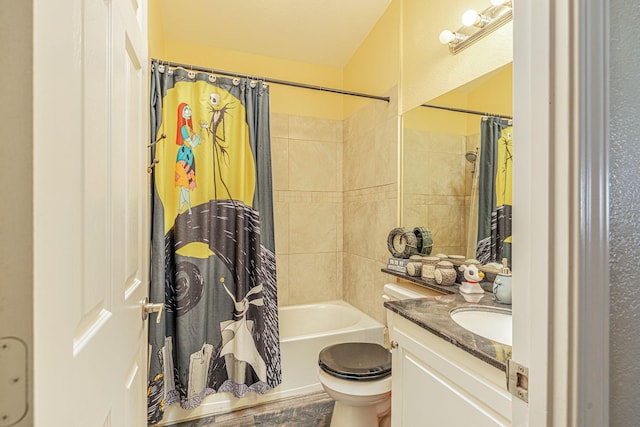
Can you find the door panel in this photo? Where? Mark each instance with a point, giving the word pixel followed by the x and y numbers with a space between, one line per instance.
pixel 91 212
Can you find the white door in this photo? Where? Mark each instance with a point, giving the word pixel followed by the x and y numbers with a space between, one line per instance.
pixel 560 310
pixel 90 212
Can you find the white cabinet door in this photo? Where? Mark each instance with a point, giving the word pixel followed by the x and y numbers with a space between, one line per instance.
pixel 90 212
pixel 435 384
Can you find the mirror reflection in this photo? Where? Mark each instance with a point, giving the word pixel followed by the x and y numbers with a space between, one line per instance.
pixel 453 184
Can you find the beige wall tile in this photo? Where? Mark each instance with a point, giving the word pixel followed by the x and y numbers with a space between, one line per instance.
pixel 339 124
pixel 445 222
pixel 385 220
pixel 279 125
pixel 416 179
pixel 312 278
pixel 313 227
pixel 473 142
pixel 445 174
pixel 340 227
pixel 340 275
pixel 360 161
pixel 282 275
pixel 434 142
pixel 412 140
pixel 340 166
pixel 357 125
pixel 312 166
pixel 415 215
pixel 315 129
pixel 281 225
pixel 348 156
pixel 359 283
pixel 386 154
pixel 358 225
pixel 280 163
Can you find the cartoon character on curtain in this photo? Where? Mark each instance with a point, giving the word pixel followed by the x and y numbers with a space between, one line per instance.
pixel 239 347
pixel 185 177
pixel 218 114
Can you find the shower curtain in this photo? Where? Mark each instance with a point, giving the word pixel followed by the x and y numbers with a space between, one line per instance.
pixel 494 201
pixel 212 261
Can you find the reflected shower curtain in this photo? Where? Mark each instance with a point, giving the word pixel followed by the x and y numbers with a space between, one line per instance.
pixel 494 202
pixel 213 254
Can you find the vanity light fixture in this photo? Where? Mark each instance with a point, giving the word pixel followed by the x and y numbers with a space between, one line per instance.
pixel 449 37
pixel 477 25
pixel 501 2
pixel 471 17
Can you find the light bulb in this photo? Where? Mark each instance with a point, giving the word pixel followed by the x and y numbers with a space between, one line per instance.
pixel 447 37
pixel 470 18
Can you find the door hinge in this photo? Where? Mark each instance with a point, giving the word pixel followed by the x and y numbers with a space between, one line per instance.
pixel 13 377
pixel 518 380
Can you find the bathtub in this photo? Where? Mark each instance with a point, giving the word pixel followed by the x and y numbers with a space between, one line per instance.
pixel 304 331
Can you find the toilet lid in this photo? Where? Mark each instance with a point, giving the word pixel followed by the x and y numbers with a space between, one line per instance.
pixel 356 361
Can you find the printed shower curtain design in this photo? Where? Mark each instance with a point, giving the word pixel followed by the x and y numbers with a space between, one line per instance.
pixel 212 262
pixel 494 203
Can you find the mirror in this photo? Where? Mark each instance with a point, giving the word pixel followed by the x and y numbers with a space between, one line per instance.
pixel 440 160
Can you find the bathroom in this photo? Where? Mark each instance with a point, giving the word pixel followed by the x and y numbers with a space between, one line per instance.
pixel 335 158
pixel 349 254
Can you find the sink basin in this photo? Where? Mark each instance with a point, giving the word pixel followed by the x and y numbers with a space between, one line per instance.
pixel 488 322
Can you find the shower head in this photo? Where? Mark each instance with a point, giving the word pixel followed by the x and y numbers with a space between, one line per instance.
pixel 471 156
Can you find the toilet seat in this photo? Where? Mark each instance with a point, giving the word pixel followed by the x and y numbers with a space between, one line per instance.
pixel 356 361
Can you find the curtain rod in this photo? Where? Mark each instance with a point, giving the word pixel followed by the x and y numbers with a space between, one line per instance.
pixel 461 110
pixel 270 80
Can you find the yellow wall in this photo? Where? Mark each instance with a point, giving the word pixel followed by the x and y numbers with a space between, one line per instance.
pixel 495 96
pixel 429 119
pixel 375 66
pixel 491 93
pixel 401 50
pixel 154 26
pixel 284 99
pixel 429 70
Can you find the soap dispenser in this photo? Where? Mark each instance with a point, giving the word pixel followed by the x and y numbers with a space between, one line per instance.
pixel 502 284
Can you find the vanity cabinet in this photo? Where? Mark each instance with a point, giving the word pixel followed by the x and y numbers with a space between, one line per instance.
pixel 435 383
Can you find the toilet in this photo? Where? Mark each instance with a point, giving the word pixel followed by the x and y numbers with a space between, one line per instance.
pixel 357 375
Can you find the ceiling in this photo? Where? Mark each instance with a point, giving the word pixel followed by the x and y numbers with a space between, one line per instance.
pixel 323 32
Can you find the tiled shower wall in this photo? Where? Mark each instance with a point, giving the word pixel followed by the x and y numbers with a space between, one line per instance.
pixel 332 217
pixel 437 186
pixel 370 202
pixel 307 186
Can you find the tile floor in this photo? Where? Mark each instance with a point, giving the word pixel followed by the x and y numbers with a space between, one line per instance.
pixel 311 410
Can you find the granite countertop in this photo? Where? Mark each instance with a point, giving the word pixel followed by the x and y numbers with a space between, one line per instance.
pixel 432 314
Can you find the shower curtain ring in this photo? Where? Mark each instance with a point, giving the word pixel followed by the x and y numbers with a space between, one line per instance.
pixel 152 165
pixel 160 138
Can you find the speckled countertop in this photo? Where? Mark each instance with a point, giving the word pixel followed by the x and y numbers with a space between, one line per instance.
pixel 432 314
